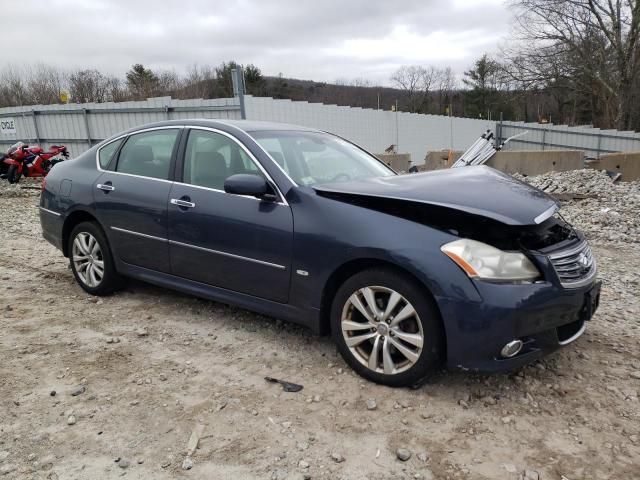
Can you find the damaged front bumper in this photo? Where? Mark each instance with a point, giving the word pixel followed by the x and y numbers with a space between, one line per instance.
pixel 544 316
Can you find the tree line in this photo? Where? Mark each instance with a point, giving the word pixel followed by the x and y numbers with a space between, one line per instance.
pixel 567 62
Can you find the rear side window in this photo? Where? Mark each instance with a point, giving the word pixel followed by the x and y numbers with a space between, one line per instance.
pixel 148 154
pixel 107 152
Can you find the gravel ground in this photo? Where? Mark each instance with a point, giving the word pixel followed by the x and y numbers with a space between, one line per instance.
pixel 125 385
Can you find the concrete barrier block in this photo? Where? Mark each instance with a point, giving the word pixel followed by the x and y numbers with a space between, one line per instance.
pixel 627 164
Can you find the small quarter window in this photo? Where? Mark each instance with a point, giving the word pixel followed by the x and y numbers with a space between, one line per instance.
pixel 107 152
pixel 148 154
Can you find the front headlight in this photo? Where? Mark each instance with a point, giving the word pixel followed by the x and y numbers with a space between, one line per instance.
pixel 480 260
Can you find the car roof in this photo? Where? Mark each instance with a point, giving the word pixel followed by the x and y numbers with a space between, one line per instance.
pixel 223 124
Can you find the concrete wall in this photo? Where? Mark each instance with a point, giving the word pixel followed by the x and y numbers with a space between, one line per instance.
pixel 627 164
pixel 526 162
pixel 400 162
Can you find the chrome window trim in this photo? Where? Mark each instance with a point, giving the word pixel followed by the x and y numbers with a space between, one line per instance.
pixel 138 234
pixel 546 214
pixel 100 169
pixel 222 191
pixel 226 254
pixel 249 154
pixel 203 249
pixel 42 209
pixel 282 201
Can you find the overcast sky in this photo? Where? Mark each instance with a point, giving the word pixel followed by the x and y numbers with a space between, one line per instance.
pixel 309 39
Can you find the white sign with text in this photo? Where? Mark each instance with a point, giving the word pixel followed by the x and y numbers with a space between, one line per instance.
pixel 7 125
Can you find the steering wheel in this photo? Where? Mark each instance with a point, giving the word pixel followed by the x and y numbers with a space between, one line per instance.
pixel 341 177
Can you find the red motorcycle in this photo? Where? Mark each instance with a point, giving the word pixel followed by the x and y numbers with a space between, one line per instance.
pixel 30 161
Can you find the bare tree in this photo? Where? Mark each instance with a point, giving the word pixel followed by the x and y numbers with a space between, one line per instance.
pixel 44 84
pixel 445 84
pixel 88 86
pixel 199 82
pixel 597 41
pixel 13 89
pixel 416 82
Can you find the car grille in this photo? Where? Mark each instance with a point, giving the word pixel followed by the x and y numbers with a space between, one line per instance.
pixel 575 267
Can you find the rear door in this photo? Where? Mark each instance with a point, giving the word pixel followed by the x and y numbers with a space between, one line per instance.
pixel 132 197
pixel 231 241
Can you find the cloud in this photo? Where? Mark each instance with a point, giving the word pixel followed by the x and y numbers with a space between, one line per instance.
pixel 298 38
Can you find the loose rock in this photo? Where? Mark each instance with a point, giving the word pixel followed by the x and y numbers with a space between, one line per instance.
pixel 403 454
pixel 337 457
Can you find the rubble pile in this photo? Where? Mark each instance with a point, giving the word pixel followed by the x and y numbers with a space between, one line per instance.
pixel 25 188
pixel 606 211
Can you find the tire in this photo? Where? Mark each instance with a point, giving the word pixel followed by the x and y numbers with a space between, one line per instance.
pixel 97 275
pixel 407 365
pixel 13 176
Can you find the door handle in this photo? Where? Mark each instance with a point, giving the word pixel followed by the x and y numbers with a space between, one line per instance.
pixel 106 187
pixel 182 203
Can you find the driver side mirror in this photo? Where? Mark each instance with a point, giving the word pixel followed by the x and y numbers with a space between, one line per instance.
pixel 248 184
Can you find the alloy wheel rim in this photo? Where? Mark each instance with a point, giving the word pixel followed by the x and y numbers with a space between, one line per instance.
pixel 87 259
pixel 382 330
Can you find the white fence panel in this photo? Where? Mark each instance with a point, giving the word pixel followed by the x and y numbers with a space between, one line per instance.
pixel 81 125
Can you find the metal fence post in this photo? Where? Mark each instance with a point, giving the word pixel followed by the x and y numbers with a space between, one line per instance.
pixel 599 144
pixel 499 131
pixel 237 79
pixel 86 126
pixel 544 136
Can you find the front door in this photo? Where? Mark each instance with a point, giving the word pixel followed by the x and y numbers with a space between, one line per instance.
pixel 132 199
pixel 234 242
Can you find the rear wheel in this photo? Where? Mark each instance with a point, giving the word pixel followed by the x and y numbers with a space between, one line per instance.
pixel 387 328
pixel 91 260
pixel 13 175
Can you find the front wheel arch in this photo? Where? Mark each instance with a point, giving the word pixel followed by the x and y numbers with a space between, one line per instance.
pixel 351 268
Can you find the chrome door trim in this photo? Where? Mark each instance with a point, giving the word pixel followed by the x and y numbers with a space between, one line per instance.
pixel 203 249
pixel 42 209
pixel 182 203
pixel 249 154
pixel 226 254
pixel 138 234
pixel 235 195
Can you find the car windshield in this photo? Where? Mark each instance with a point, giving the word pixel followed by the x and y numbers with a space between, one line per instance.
pixel 314 158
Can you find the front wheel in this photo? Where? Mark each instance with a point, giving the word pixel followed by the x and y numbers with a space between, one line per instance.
pixel 387 328
pixel 91 260
pixel 13 175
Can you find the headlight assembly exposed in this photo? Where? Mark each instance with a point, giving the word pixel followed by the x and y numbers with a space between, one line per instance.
pixel 483 261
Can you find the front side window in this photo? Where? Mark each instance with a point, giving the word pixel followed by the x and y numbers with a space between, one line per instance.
pixel 148 154
pixel 314 158
pixel 211 158
pixel 107 152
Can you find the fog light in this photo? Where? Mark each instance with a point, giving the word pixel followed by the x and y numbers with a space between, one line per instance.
pixel 511 349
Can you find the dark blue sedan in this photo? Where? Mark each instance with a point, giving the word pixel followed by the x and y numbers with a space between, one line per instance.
pixel 466 267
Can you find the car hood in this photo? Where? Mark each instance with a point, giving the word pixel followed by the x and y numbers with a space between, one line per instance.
pixel 478 190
